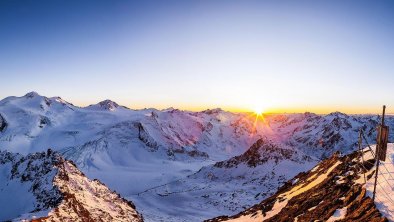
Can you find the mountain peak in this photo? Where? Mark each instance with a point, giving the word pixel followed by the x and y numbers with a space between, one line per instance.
pixel 108 104
pixel 31 94
pixel 338 114
pixel 105 105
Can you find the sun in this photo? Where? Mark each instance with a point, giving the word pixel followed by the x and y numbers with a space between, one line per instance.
pixel 258 110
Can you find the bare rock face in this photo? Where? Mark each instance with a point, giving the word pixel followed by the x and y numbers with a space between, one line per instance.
pixel 58 191
pixel 3 124
pixel 317 195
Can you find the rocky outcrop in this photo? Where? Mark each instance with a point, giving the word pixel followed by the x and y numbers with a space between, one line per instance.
pixel 44 121
pixel 60 191
pixel 146 138
pixel 86 200
pixel 262 151
pixel 3 124
pixel 36 171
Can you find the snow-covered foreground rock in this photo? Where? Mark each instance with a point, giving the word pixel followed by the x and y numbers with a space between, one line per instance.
pixel 45 187
pixel 333 190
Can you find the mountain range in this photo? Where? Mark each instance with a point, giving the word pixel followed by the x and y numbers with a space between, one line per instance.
pixel 173 165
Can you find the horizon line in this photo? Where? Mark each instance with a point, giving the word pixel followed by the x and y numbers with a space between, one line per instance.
pixel 271 111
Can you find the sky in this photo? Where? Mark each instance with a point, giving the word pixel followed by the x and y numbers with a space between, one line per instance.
pixel 278 56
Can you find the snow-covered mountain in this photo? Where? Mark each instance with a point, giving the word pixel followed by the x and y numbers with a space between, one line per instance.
pixel 106 142
pixel 334 190
pixel 159 148
pixel 322 135
pixel 32 118
pixel 45 187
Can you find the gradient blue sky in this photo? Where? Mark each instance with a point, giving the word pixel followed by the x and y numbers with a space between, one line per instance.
pixel 318 56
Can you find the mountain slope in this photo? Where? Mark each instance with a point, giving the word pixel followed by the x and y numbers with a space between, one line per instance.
pixel 333 190
pixel 45 187
pixel 227 186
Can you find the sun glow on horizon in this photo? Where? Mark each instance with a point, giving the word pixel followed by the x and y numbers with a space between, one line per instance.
pixel 258 115
pixel 259 110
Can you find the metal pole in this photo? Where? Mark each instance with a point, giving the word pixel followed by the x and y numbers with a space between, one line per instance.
pixel 360 140
pixel 377 153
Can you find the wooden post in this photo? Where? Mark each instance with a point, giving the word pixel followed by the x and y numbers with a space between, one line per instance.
pixel 377 154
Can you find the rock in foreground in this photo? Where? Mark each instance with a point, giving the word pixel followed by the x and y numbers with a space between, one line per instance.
pixel 332 191
pixel 45 187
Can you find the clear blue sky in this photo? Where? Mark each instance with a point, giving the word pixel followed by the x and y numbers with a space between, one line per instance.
pixel 318 56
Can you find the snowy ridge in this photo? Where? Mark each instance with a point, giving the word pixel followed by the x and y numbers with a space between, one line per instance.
pixel 330 191
pixel 45 187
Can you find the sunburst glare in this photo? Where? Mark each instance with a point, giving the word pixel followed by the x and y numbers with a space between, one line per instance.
pixel 259 110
